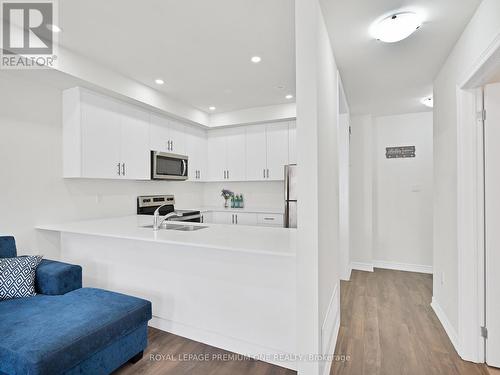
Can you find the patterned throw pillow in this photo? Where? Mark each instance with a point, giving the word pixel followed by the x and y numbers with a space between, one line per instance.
pixel 17 276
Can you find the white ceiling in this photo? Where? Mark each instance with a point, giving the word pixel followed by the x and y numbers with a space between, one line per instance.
pixel 382 78
pixel 201 49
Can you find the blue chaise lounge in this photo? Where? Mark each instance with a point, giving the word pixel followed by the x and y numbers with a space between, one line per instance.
pixel 67 329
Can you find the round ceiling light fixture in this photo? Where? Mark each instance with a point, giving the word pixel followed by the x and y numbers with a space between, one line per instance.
pixel 428 101
pixel 396 27
pixel 212 108
pixel 256 59
pixel 159 81
pixel 289 96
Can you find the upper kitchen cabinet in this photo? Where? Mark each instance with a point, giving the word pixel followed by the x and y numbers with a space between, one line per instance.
pixel 267 151
pixel 103 138
pixel 277 150
pixel 226 155
pixel 135 153
pixel 167 135
pixel 256 150
pixel 196 149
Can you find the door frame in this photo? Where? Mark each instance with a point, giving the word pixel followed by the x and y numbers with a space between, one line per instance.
pixel 470 205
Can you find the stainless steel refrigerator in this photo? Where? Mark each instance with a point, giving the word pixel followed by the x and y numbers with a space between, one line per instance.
pixel 290 196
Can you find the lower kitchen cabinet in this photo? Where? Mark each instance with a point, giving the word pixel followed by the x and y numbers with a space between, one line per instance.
pixel 235 218
pixel 243 218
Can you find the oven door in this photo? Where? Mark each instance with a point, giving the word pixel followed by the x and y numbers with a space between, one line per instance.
pixel 166 166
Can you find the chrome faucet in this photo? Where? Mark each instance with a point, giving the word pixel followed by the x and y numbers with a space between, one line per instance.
pixel 158 221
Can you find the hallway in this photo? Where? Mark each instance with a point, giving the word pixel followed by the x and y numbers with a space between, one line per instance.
pixel 388 327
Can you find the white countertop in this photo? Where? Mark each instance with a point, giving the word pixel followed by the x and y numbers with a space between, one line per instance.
pixel 250 239
pixel 220 208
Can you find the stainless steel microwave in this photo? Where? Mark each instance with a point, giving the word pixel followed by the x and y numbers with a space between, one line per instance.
pixel 165 166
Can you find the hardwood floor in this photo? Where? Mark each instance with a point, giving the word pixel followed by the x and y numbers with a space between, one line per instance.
pixel 388 327
pixel 168 354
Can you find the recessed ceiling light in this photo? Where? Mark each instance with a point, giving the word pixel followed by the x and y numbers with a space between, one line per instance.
pixel 428 101
pixel 212 108
pixel 54 28
pixel 159 81
pixel 256 59
pixel 289 96
pixel 396 27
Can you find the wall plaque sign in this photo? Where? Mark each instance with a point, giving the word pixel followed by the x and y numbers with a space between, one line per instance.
pixel 400 152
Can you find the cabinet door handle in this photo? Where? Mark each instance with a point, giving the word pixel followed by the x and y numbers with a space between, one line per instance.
pixel 228 175
pixel 264 173
pixel 232 219
pixel 268 173
pixel 224 175
pixel 236 216
pixel 171 145
pixel 123 167
pixel 119 170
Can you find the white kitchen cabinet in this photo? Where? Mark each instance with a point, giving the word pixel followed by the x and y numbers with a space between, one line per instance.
pixel 256 151
pixel 235 218
pixel 159 137
pixel 207 217
pixel 177 137
pixel 216 155
pixel 266 151
pixel 167 135
pixel 235 154
pixel 277 150
pixel 226 155
pixel 292 142
pixel 223 217
pixel 270 220
pixel 99 124
pixel 243 218
pixel 135 153
pixel 196 150
pixel 103 138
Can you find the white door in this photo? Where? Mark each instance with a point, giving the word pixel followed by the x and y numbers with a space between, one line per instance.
pixel 159 134
pixel 277 150
pixel 101 133
pixel 216 156
pixel 235 154
pixel 292 142
pixel 177 137
pixel 135 152
pixel 492 222
pixel 256 152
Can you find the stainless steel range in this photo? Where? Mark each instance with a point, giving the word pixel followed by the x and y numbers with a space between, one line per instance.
pixel 147 205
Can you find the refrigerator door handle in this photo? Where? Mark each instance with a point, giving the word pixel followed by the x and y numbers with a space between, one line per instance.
pixel 286 183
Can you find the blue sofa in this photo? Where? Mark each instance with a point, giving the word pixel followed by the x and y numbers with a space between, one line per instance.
pixel 67 329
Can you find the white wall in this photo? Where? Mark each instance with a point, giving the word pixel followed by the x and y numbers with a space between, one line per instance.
pixel 344 140
pixel 318 187
pixel 403 191
pixel 361 192
pixel 479 34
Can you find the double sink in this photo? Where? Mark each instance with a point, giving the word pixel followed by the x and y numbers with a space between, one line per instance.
pixel 179 227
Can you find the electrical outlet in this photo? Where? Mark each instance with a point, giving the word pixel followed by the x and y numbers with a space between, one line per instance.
pixel 98 198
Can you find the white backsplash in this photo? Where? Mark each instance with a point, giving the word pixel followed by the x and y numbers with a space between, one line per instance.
pixel 256 194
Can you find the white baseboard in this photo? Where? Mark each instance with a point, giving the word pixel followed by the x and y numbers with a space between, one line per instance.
pixel 450 331
pixel 402 266
pixel 231 344
pixel 361 266
pixel 330 329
